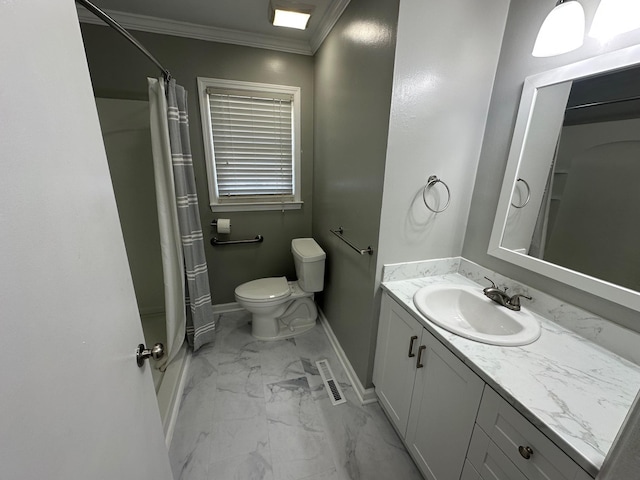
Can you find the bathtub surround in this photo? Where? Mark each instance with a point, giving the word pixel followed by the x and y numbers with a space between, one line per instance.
pixel 126 135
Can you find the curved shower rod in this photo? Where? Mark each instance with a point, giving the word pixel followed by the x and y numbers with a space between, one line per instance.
pixel 120 29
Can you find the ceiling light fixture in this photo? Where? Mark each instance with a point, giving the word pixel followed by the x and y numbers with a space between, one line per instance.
pixel 290 14
pixel 614 17
pixel 562 30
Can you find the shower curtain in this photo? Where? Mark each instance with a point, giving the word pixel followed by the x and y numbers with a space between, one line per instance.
pixel 187 295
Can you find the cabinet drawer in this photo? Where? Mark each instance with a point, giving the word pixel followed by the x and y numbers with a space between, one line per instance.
pixel 518 438
pixel 489 460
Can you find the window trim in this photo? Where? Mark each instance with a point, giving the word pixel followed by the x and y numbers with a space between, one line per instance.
pixel 257 204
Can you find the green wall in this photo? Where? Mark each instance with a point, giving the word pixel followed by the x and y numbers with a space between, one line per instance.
pixel 118 70
pixel 353 79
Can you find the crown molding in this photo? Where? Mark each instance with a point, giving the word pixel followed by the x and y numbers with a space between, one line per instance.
pixel 331 17
pixel 162 26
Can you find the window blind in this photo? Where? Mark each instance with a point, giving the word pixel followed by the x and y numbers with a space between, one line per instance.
pixel 252 142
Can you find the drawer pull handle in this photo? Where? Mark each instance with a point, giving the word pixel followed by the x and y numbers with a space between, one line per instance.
pixel 421 349
pixel 526 452
pixel 413 339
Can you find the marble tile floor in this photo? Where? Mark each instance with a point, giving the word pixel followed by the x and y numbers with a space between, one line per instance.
pixel 255 410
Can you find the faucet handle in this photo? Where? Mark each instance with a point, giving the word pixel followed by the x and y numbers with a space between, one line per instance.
pixel 493 285
pixel 515 300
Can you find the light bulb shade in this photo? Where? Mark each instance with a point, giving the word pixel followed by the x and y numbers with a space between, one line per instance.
pixel 614 17
pixel 562 30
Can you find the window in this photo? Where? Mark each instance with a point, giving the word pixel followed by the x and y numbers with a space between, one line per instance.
pixel 251 135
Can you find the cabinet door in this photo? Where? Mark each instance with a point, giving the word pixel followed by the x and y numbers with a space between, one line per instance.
pixel 446 397
pixel 395 365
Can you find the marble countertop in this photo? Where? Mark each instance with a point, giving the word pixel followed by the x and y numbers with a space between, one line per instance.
pixel 576 392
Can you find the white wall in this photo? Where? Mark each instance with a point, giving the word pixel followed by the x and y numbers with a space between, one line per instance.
pixel 446 58
pixel 73 402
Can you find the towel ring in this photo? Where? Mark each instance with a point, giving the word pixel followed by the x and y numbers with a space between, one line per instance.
pixel 431 181
pixel 528 194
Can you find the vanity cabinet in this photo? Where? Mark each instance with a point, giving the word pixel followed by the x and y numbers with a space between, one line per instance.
pixel 454 425
pixel 431 397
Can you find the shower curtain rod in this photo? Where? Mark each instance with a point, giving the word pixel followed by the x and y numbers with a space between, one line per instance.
pixel 120 29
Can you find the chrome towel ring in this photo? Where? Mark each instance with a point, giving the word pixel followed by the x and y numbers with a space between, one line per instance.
pixel 431 181
pixel 528 194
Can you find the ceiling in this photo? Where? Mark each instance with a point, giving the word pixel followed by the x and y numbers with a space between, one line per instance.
pixel 242 22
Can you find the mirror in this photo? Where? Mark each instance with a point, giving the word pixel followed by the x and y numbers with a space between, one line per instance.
pixel 570 202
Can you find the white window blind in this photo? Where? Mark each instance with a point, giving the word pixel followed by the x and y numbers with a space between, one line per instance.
pixel 253 143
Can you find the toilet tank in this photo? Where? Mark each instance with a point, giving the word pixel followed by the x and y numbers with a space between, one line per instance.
pixel 308 258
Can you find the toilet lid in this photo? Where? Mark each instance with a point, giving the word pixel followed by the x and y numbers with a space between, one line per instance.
pixel 264 289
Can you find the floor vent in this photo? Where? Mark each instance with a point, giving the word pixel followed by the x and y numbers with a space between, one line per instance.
pixel 332 386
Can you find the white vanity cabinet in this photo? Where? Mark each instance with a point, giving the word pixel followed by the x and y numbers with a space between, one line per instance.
pixel 429 394
pixel 454 426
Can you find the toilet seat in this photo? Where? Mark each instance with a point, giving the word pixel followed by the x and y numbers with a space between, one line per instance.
pixel 264 290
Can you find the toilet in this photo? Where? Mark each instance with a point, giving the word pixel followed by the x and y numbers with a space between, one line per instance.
pixel 282 309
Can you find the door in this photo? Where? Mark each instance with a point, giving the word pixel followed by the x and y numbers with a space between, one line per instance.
pixel 74 403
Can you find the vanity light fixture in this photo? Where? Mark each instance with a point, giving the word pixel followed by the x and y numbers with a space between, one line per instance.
pixel 614 17
pixel 562 30
pixel 290 14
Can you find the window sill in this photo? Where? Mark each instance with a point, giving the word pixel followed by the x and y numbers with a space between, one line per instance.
pixel 248 207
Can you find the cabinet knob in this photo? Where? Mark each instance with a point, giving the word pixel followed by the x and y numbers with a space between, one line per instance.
pixel 413 339
pixel 526 452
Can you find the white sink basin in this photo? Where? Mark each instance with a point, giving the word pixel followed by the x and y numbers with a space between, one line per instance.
pixel 465 311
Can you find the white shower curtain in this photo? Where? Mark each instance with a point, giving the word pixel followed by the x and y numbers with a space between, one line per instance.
pixel 172 258
pixel 186 276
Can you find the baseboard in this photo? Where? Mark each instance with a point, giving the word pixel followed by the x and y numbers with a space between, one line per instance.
pixel 176 401
pixel 227 307
pixel 365 395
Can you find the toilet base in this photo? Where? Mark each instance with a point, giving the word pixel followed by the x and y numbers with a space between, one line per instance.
pixel 298 317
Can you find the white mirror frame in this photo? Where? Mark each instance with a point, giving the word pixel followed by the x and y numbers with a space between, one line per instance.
pixel 593 66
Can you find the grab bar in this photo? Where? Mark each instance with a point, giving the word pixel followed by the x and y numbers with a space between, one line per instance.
pixel 338 233
pixel 215 241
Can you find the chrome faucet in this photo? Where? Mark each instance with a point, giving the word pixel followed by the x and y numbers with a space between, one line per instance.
pixel 502 298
